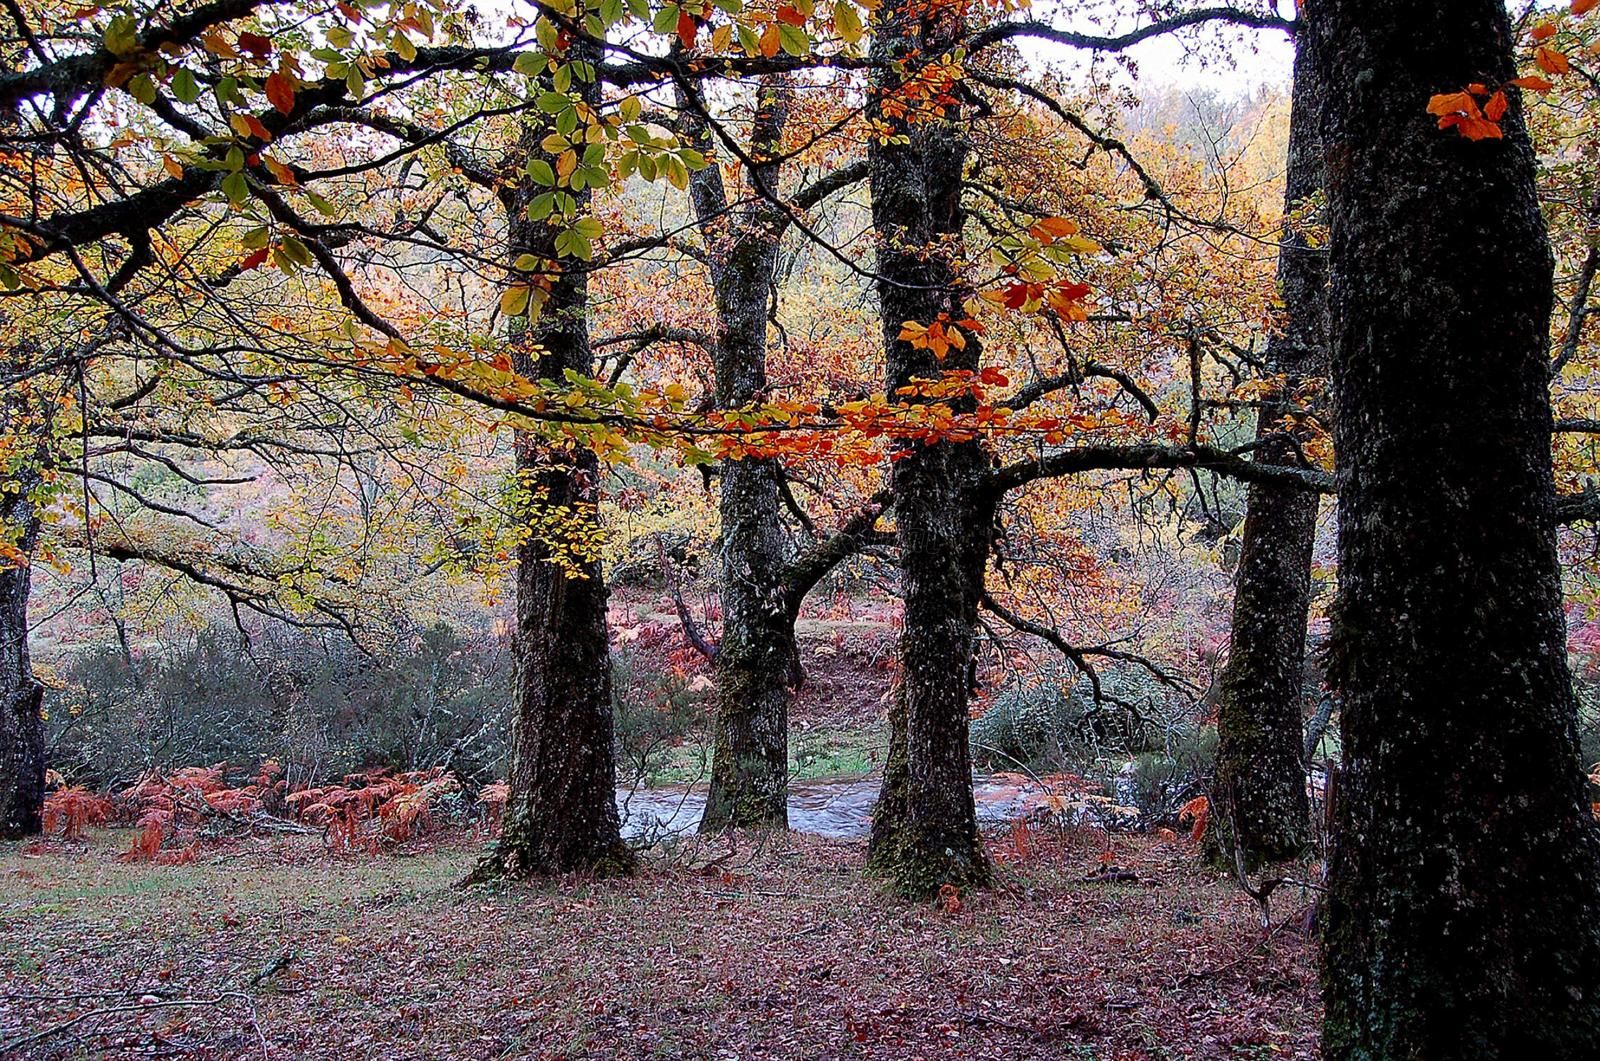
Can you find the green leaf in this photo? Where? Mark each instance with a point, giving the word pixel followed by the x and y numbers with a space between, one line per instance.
pixel 122 36
pixel 793 39
pixel 847 22
pixel 185 87
pixel 297 251
pixel 529 64
pixel 235 188
pixel 541 172
pixel 142 87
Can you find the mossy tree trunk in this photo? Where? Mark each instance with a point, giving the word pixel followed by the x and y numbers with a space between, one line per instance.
pixel 21 695
pixel 561 814
pixel 1263 814
pixel 750 749
pixel 924 831
pixel 1463 911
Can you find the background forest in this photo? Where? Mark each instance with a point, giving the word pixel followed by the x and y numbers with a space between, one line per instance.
pixel 1086 508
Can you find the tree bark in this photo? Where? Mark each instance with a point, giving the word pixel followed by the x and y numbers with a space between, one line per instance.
pixel 750 748
pixel 924 830
pixel 21 696
pixel 561 815
pixel 1260 785
pixel 1464 881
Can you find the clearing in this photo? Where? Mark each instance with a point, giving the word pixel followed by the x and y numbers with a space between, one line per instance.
pixel 736 947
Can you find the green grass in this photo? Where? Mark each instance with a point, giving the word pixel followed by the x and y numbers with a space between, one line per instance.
pixel 814 754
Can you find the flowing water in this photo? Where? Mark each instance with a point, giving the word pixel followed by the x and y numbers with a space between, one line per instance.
pixel 838 807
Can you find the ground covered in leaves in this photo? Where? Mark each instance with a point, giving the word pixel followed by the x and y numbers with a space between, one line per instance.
pixel 720 949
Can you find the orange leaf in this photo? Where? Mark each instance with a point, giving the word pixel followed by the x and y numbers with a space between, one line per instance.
pixel 1543 32
pixel 257 130
pixel 1533 83
pixel 1583 7
pixel 770 42
pixel 280 92
pixel 1495 109
pixel 282 173
pixel 1453 103
pixel 791 15
pixel 1551 61
pixel 173 167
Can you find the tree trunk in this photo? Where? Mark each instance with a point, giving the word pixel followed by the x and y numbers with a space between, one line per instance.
pixel 925 831
pixel 1463 915
pixel 21 724
pixel 750 750
pixel 561 815
pixel 1260 788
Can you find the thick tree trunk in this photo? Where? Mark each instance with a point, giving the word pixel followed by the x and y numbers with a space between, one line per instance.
pixel 21 724
pixel 925 831
pixel 750 750
pixel 562 812
pixel 1260 786
pixel 1463 916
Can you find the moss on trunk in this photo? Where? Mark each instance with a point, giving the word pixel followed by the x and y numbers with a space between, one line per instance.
pixel 1464 882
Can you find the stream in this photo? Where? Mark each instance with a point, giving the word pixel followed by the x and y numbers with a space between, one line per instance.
pixel 840 808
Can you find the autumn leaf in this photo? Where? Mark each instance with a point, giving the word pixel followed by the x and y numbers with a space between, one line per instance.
pixel 282 173
pixel 1543 32
pixel 253 260
pixel 1495 109
pixel 1450 103
pixel 687 28
pixel 280 92
pixel 1551 61
pixel 255 44
pixel 1583 7
pixel 1533 83
pixel 173 167
pixel 771 43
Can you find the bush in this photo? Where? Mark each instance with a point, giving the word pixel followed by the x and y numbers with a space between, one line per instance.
pixel 1159 782
pixel 434 696
pixel 655 713
pixel 1051 720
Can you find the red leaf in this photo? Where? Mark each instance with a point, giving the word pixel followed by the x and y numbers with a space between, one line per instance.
pixel 254 260
pixel 687 28
pixel 255 44
pixel 280 92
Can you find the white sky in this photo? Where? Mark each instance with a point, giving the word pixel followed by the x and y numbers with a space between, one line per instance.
pixel 1233 61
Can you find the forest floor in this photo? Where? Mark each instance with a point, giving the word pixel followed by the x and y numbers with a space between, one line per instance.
pixel 726 948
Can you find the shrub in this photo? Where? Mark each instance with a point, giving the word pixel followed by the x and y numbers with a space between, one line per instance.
pixel 434 696
pixel 654 712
